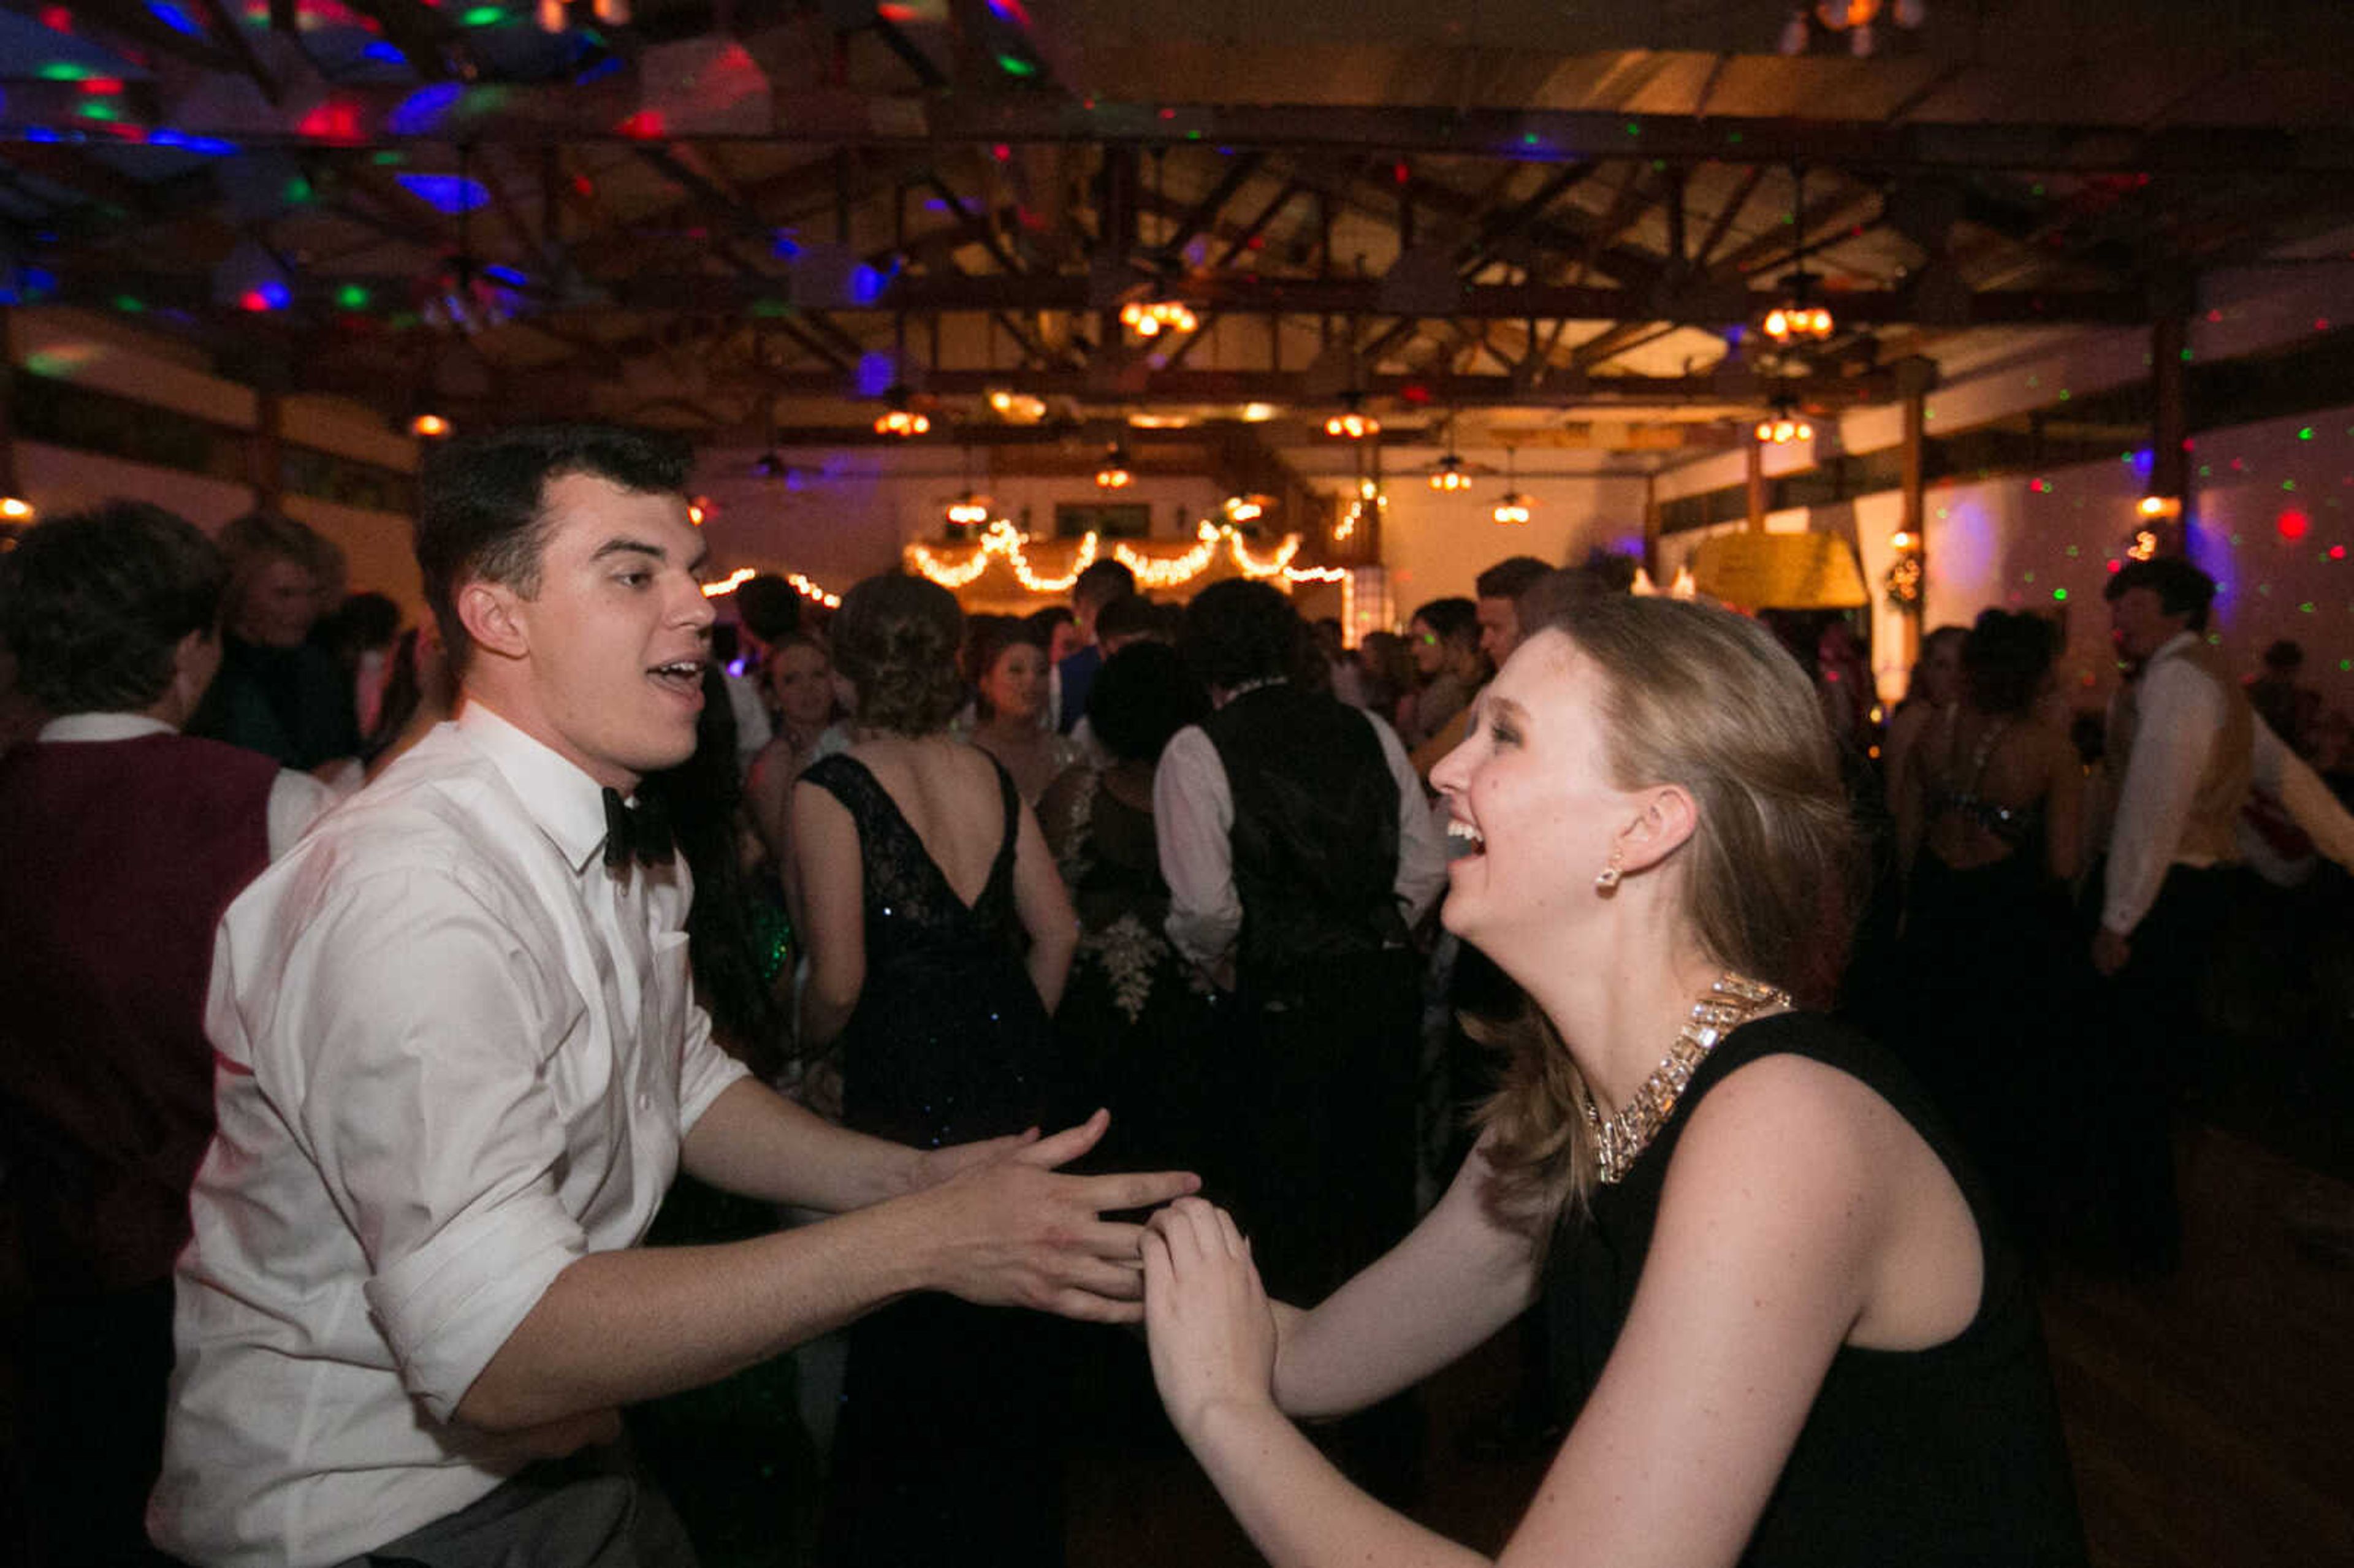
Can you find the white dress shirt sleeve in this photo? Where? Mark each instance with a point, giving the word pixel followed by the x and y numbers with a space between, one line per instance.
pixel 2284 775
pixel 412 1075
pixel 2181 712
pixel 1193 814
pixel 1422 851
pixel 296 800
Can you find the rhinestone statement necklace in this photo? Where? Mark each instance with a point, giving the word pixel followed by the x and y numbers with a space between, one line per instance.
pixel 1732 1000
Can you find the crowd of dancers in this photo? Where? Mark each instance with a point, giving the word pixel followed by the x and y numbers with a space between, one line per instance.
pixel 370 990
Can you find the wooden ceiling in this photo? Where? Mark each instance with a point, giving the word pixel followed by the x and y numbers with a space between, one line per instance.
pixel 749 220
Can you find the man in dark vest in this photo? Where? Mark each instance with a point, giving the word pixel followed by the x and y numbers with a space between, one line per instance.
pixel 1299 852
pixel 121 843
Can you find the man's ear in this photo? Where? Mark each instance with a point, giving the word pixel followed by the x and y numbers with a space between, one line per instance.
pixel 489 612
pixel 1665 819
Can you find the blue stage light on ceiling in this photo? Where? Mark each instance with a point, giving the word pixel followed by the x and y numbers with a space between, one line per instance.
pixel 174 18
pixel 445 192
pixel 421 112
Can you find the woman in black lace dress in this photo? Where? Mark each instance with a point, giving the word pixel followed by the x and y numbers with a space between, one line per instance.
pixel 1989 954
pixel 939 939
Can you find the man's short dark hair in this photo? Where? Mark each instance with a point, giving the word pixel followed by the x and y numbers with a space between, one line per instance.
pixel 482 500
pixel 1130 615
pixel 1103 582
pixel 2182 588
pixel 770 607
pixel 1239 630
pixel 94 605
pixel 1510 577
pixel 1144 694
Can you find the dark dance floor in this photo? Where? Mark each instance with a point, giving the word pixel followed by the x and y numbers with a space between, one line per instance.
pixel 2211 1413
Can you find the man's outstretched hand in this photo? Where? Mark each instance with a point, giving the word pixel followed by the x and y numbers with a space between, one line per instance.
pixel 1008 1227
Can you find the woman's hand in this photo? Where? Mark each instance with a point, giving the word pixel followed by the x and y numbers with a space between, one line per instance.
pixel 1213 1334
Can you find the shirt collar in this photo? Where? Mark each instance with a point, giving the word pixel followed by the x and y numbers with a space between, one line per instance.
pixel 2182 641
pixel 568 805
pixel 104 726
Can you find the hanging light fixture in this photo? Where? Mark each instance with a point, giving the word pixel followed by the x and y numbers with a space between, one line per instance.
pixel 1783 426
pixel 428 427
pixel 1513 509
pixel 1451 475
pixel 1799 319
pixel 1243 509
pixel 1352 423
pixel 1157 314
pixel 1113 474
pixel 899 417
pixel 970 508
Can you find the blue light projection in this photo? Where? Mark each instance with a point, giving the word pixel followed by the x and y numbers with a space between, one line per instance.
pixel 421 112
pixel 210 146
pixel 876 371
pixel 866 286
pixel 172 16
pixel 445 192
pixel 506 275
pixel 384 53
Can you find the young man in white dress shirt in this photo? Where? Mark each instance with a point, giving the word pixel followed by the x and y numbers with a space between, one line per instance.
pixel 459 1064
pixel 2184 747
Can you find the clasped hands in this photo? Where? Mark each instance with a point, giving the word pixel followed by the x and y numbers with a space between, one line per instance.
pixel 1212 1331
pixel 1012 1229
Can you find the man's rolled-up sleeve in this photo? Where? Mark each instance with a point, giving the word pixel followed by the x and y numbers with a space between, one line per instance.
pixel 427 1026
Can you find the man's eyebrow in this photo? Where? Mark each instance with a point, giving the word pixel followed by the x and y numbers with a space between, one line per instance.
pixel 623 545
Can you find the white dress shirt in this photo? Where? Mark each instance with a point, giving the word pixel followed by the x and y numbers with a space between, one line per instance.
pixel 2181 711
pixel 455 1052
pixel 296 800
pixel 1193 807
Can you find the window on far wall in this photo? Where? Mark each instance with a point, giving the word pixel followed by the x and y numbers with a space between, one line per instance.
pixel 1112 520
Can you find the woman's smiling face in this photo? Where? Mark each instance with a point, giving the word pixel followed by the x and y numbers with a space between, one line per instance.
pixel 1530 787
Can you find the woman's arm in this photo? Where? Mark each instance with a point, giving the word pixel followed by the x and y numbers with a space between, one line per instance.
pixel 832 894
pixel 1771 1231
pixel 769 799
pixel 1044 909
pixel 1458 1277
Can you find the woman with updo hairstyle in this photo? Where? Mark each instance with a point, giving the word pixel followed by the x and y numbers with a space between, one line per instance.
pixel 1006 662
pixel 1790 1324
pixel 939 938
pixel 1989 955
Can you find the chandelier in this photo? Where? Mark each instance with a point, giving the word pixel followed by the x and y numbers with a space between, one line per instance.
pixel 1799 319
pixel 1352 423
pixel 899 417
pixel 1113 472
pixel 1448 476
pixel 1151 317
pixel 1783 428
pixel 1513 509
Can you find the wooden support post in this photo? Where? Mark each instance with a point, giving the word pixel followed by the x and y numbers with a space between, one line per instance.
pixel 1914 521
pixel 8 478
pixel 1756 486
pixel 1652 525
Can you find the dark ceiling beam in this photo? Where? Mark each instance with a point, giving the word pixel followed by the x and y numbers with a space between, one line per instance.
pixel 1203 213
pixel 596 112
pixel 225 26
pixel 133 23
pixel 1718 305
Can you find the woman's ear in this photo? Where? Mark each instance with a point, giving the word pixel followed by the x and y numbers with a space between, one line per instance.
pixel 1664 819
pixel 488 612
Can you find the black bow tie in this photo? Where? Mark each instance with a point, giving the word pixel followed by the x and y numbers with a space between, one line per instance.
pixel 640 832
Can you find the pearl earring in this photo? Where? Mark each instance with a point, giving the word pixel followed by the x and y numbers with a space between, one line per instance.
pixel 1607 881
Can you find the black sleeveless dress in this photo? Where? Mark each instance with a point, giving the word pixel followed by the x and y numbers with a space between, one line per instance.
pixel 1995 990
pixel 1948 1456
pixel 949 1449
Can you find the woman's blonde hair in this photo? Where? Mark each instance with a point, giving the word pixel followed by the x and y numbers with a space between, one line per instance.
pixel 1709 701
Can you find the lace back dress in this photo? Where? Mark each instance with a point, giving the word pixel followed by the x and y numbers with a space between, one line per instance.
pixel 950 1448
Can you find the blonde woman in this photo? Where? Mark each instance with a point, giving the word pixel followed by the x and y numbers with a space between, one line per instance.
pixel 1803 1338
